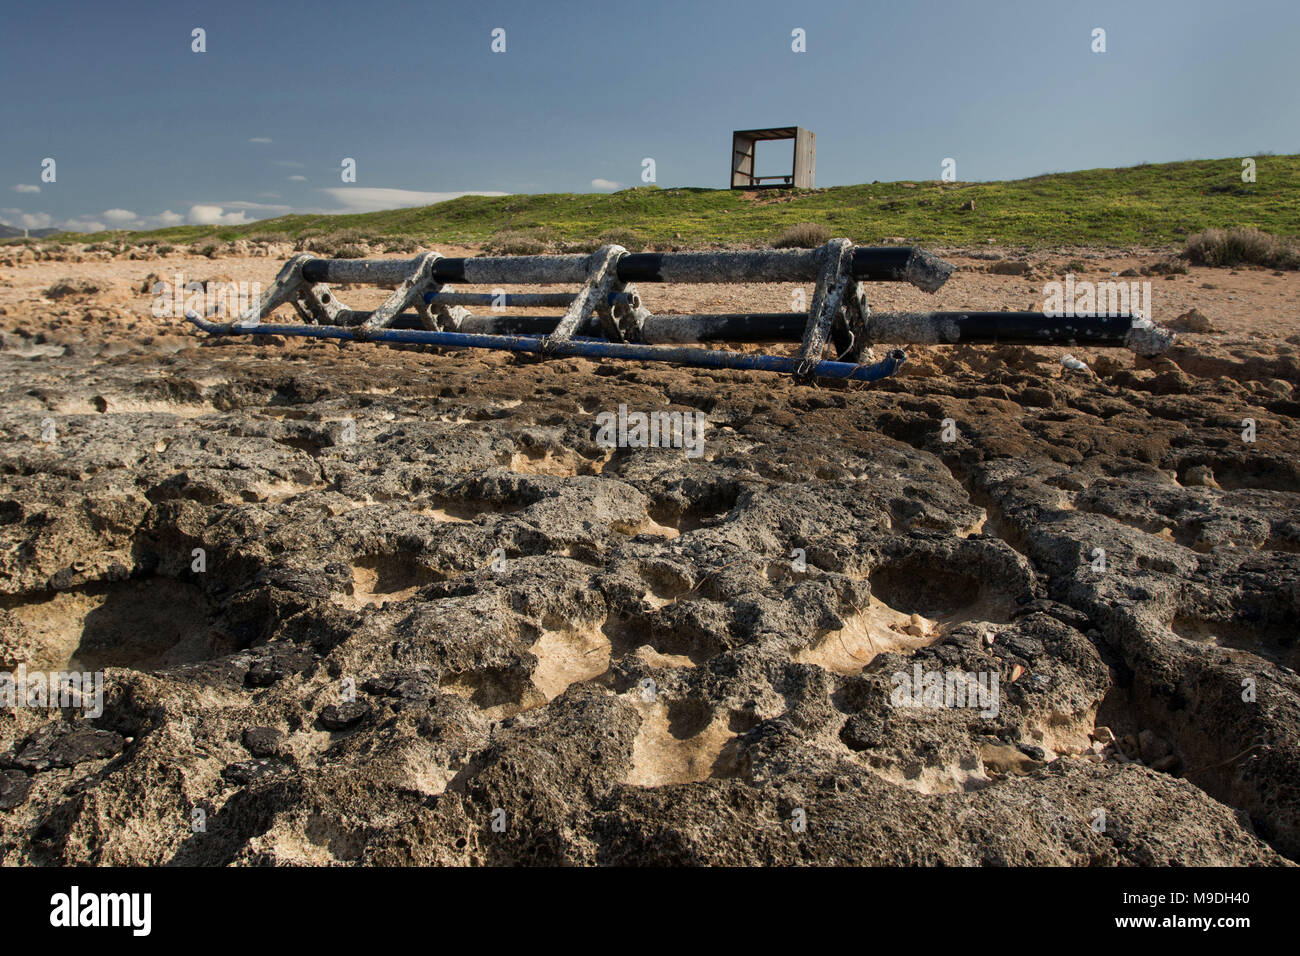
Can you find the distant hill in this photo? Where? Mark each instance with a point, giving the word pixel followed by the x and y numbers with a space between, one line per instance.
pixel 1147 205
pixel 11 232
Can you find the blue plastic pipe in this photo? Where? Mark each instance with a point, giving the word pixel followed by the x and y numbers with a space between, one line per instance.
pixel 584 348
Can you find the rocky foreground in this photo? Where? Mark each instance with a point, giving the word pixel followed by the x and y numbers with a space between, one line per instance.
pixel 367 606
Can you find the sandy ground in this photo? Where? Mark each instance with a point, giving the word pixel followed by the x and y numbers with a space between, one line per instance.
pixel 429 596
pixel 1242 305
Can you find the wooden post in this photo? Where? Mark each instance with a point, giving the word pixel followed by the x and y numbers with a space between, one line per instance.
pixel 742 160
pixel 805 158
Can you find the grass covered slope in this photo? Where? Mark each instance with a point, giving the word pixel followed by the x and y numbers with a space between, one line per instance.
pixel 1152 204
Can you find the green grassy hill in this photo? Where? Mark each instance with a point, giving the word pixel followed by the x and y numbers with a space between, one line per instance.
pixel 1152 204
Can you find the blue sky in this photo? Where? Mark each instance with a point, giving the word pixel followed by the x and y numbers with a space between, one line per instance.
pixel 146 132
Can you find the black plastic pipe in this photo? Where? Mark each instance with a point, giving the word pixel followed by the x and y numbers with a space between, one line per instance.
pixel 869 264
pixel 925 328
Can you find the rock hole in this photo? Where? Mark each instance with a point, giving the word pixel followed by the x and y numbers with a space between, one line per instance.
pixel 569 655
pixel 143 624
pixel 916 585
pixel 1273 642
pixel 661 757
pixel 389 577
pixel 876 629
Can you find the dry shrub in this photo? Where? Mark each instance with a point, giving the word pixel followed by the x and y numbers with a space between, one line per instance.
pixel 518 242
pixel 269 237
pixel 401 244
pixel 347 244
pixel 629 240
pixel 802 235
pixel 74 287
pixel 1242 245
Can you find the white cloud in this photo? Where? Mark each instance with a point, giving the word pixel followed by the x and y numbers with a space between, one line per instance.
pixel 118 219
pixel 26 188
pixel 374 198
pixel 26 220
pixel 287 162
pixel 205 215
pixel 605 184
pixel 259 139
pixel 83 225
pixel 297 179
pixel 259 206
pixel 34 220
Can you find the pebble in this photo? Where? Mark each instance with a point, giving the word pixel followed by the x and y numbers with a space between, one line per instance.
pixel 14 787
pixel 66 745
pixel 343 716
pixel 263 741
pixel 1033 750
